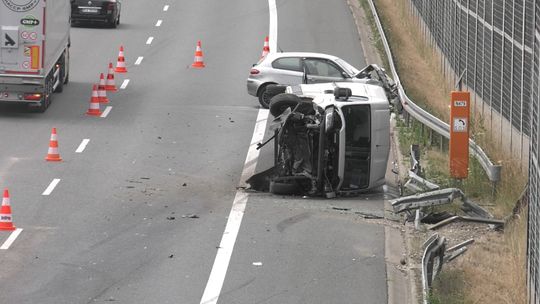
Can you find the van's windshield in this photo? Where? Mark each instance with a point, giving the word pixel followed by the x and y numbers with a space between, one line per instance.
pixel 357 146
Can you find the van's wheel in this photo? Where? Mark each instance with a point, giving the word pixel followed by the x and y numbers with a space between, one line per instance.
pixel 283 188
pixel 281 102
pixel 267 92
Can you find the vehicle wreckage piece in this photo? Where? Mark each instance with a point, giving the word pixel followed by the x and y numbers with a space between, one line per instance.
pixel 433 198
pixel 432 262
pixel 419 184
pixel 496 223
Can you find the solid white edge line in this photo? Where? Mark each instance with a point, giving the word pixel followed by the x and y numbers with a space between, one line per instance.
pixel 12 237
pixel 106 111
pixel 82 146
pixel 124 84
pixel 139 60
pixel 166 8
pixel 51 186
pixel 228 239
pixel 149 40
pixel 273 30
pixel 158 23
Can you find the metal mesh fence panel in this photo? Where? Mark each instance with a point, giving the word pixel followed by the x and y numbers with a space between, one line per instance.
pixel 496 46
pixel 532 40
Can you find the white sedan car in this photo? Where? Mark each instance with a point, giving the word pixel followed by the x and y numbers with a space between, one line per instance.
pixel 292 68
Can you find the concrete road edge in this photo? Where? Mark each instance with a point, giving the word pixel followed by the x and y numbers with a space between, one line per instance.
pixel 400 279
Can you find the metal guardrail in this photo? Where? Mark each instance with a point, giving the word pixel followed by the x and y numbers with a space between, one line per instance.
pixel 493 171
pixel 432 261
pixel 426 199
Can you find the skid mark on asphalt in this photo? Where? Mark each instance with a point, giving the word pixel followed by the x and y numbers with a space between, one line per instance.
pixel 286 223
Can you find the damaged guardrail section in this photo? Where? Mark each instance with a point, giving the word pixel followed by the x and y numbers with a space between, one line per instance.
pixel 493 171
pixel 432 261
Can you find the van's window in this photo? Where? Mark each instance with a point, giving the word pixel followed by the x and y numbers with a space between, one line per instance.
pixel 288 63
pixel 357 146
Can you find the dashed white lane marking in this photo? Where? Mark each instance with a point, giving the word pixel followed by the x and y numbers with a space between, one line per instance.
pixel 158 23
pixel 124 84
pixel 82 146
pixel 166 8
pixel 149 40
pixel 228 239
pixel 106 111
pixel 139 60
pixel 12 237
pixel 51 187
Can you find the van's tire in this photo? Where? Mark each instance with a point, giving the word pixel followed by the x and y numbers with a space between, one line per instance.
pixel 267 92
pixel 281 102
pixel 283 188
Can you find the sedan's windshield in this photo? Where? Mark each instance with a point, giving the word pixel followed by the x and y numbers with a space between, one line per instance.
pixel 347 67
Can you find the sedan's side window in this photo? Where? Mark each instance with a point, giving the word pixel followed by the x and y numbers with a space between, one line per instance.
pixel 288 63
pixel 322 67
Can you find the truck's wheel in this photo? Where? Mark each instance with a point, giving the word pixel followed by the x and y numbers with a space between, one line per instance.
pixel 60 87
pixel 46 100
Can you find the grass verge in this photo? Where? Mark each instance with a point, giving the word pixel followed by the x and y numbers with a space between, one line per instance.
pixel 493 270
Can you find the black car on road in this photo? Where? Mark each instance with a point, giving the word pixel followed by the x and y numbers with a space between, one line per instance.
pixel 96 11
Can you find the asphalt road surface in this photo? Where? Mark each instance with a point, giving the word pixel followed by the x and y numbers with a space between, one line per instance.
pixel 138 215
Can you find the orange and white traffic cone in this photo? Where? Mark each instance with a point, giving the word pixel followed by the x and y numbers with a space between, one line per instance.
pixel 121 63
pixel 198 63
pixel 102 93
pixel 52 154
pixel 94 109
pixel 6 222
pixel 109 84
pixel 266 47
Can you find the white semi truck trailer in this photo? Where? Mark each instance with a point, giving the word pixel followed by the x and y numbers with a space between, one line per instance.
pixel 34 50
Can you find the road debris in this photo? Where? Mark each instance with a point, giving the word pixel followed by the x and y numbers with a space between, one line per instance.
pixel 369 216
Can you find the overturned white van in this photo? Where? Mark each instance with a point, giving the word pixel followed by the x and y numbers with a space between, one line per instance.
pixel 330 139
